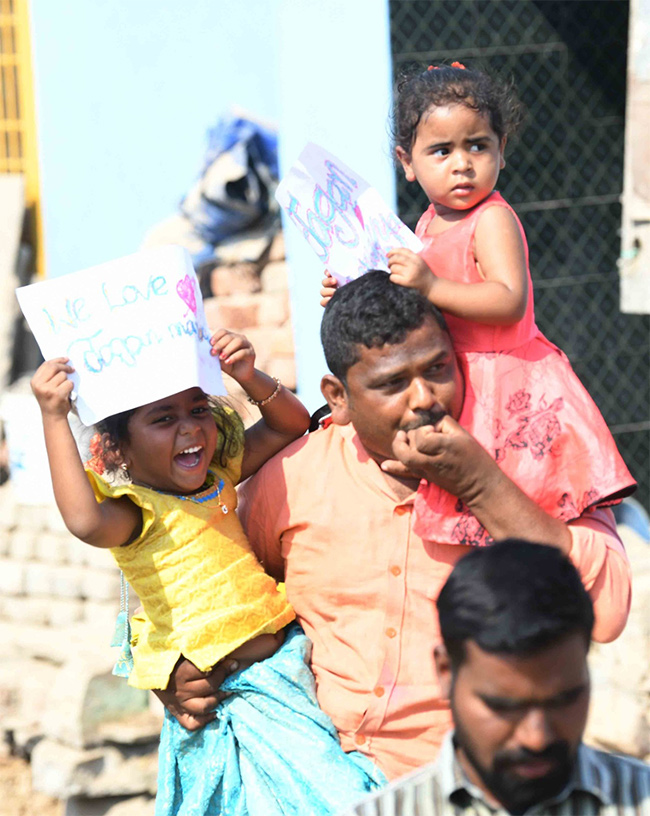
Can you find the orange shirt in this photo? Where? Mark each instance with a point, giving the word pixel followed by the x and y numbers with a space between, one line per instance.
pixel 322 516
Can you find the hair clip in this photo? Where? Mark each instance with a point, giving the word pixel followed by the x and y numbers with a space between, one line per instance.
pixel 96 461
pixel 453 65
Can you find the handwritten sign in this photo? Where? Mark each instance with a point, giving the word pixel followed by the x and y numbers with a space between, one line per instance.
pixel 343 218
pixel 134 330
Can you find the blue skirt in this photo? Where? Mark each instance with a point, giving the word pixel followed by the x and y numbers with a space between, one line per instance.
pixel 270 752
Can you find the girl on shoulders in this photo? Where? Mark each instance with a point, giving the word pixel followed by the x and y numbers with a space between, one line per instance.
pixel 523 402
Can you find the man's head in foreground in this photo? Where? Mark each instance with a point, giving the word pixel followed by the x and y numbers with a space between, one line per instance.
pixel 516 623
pixel 392 362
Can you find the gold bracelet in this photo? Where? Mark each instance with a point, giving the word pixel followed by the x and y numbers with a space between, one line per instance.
pixel 272 396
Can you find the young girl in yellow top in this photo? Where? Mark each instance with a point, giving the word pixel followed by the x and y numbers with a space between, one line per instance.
pixel 172 527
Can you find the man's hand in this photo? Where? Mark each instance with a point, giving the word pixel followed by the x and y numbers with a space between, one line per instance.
pixel 192 695
pixel 446 455
pixel 408 269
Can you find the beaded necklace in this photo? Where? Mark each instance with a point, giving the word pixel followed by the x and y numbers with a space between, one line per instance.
pixel 213 494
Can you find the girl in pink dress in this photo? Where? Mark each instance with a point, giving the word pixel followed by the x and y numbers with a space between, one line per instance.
pixel 523 402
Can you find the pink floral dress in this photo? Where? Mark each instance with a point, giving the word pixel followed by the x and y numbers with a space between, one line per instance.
pixel 523 403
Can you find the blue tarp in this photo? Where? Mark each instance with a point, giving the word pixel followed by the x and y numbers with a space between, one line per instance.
pixel 238 179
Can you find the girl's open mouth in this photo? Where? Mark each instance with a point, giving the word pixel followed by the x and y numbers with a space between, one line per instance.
pixel 190 457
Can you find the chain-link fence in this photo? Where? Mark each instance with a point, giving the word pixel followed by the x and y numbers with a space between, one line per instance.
pixel 564 177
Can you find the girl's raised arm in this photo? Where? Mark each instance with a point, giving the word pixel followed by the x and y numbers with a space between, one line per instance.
pixel 284 417
pixel 110 523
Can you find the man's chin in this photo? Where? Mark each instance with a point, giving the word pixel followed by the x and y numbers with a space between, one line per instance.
pixel 520 790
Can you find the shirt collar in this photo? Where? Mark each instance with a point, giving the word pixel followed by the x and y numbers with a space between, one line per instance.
pixel 587 776
pixel 367 465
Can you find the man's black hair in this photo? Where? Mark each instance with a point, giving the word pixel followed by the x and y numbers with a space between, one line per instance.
pixel 514 598
pixel 371 311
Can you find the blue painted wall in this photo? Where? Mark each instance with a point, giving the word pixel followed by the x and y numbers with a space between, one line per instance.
pixel 335 90
pixel 126 89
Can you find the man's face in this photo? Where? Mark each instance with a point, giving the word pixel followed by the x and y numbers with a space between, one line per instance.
pixel 402 386
pixel 519 720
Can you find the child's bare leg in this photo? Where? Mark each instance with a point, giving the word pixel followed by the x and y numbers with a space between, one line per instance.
pixel 193 695
pixel 257 649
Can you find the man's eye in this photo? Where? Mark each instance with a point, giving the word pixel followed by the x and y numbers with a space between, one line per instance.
pixel 390 385
pixel 505 710
pixel 502 707
pixel 441 151
pixel 161 419
pixel 201 409
pixel 565 700
pixel 477 148
pixel 436 369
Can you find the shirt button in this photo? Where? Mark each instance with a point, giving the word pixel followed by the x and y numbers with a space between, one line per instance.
pixel 390 632
pixel 359 739
pixel 379 691
pixel 396 570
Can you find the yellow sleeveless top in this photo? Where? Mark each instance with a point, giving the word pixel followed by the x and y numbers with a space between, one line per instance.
pixel 203 591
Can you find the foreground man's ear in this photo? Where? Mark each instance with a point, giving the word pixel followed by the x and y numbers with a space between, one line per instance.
pixel 337 398
pixel 443 667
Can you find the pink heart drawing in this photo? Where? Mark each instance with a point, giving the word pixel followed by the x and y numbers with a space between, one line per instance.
pixel 185 289
pixel 357 212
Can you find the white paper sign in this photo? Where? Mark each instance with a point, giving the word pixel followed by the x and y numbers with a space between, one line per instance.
pixel 343 218
pixel 134 330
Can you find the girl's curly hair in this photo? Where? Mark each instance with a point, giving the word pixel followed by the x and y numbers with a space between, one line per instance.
pixel 442 85
pixel 113 431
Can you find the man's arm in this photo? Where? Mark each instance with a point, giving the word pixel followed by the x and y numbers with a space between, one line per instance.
pixel 450 457
pixel 263 510
pixel 599 556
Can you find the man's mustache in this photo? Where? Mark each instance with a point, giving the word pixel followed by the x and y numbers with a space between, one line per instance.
pixel 557 752
pixel 430 417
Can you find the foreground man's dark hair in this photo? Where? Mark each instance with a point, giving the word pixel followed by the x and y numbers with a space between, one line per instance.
pixel 513 598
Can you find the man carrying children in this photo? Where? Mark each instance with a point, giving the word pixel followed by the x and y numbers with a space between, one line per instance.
pixel 331 516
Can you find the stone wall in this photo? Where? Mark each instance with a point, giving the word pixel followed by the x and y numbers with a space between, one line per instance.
pixel 88 734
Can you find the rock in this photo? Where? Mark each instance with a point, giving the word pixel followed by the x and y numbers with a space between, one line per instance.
pixel 284 368
pixel 274 308
pixel 23 695
pixel 110 806
pixel 275 277
pixel 140 728
pixel 227 280
pixel 282 342
pixel 251 246
pixel 277 251
pixel 61 771
pixel 85 695
pixel 236 312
